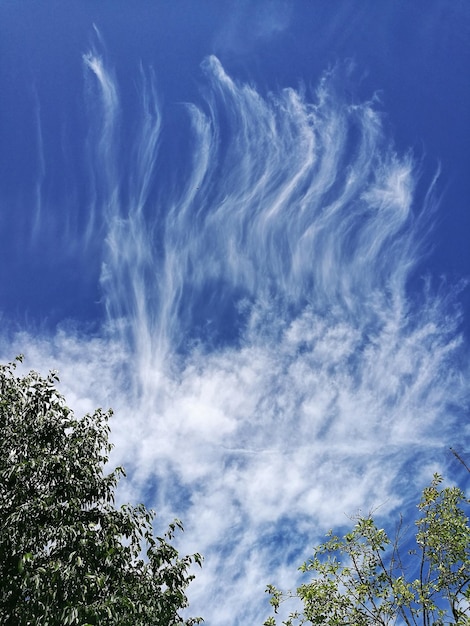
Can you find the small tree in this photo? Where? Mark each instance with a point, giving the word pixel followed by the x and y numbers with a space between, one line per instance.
pixel 363 578
pixel 67 554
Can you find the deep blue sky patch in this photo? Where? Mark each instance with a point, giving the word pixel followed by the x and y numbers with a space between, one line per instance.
pixel 244 225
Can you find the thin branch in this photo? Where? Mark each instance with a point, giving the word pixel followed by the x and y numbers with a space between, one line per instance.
pixel 421 576
pixel 459 458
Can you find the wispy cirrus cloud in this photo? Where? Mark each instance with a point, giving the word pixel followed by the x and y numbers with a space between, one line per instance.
pixel 253 24
pixel 269 368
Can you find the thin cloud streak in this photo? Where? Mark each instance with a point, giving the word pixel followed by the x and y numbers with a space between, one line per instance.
pixel 284 200
pixel 268 369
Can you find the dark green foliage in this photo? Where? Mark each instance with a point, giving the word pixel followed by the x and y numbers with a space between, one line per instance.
pixel 366 579
pixel 67 554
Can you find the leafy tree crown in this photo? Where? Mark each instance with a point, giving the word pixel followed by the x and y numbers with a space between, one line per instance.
pixel 68 555
pixel 364 578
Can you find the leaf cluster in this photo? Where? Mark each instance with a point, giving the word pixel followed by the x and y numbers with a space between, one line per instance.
pixel 364 578
pixel 67 554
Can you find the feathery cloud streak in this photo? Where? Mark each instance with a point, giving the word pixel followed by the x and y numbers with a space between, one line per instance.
pixel 269 368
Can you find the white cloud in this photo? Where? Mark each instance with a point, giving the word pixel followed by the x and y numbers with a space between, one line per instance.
pixel 338 389
pixel 253 24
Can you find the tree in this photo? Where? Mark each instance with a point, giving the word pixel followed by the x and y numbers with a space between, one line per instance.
pixel 67 554
pixel 364 578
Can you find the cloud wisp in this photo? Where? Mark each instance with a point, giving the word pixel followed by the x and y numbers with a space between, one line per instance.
pixel 269 369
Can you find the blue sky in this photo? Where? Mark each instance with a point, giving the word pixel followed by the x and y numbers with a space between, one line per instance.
pixel 244 225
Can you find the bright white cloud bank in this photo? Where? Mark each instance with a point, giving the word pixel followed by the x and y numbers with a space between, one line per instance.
pixel 268 370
